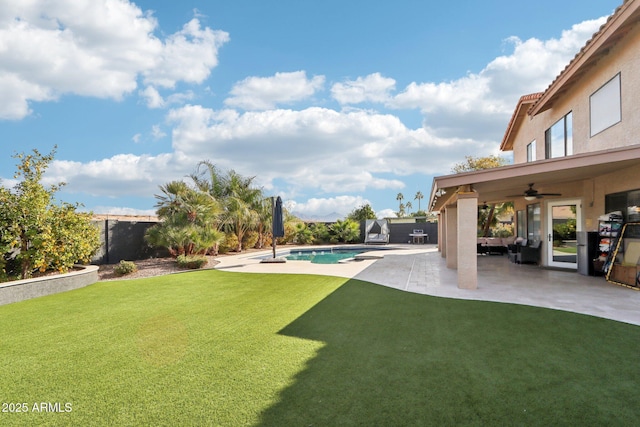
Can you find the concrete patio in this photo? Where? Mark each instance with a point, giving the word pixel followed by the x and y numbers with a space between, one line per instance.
pixel 421 269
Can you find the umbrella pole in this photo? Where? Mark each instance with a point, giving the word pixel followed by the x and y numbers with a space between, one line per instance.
pixel 273 225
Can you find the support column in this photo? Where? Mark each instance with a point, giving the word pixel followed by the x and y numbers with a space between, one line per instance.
pixel 451 244
pixel 467 224
pixel 442 233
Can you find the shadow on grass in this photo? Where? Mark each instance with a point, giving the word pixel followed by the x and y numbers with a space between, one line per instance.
pixel 393 358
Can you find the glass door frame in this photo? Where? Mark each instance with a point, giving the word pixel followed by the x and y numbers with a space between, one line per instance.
pixel 550 205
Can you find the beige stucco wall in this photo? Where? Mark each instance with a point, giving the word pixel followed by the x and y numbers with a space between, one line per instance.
pixel 591 192
pixel 624 59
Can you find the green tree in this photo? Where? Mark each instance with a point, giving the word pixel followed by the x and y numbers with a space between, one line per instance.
pixel 401 211
pixel 68 238
pixel 400 198
pixel 263 208
pixel 346 231
pixel 35 233
pixel 321 233
pixel 489 218
pixel 240 200
pixel 189 220
pixel 303 234
pixel 419 196
pixel 243 203
pixel 362 213
pixel 479 163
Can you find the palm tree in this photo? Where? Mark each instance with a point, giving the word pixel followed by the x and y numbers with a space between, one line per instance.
pixel 189 217
pixel 264 210
pixel 346 231
pixel 170 201
pixel 401 210
pixel 490 219
pixel 419 196
pixel 408 205
pixel 240 198
pixel 243 203
pixel 399 198
pixel 208 179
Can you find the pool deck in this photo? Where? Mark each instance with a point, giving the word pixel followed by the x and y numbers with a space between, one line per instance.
pixel 421 269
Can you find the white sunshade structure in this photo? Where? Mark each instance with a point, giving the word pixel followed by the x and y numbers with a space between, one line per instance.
pixel 376 231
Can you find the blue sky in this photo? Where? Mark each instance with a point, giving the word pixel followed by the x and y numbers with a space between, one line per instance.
pixel 329 104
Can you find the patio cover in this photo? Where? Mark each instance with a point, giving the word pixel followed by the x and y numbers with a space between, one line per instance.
pixel 497 184
pixel 460 194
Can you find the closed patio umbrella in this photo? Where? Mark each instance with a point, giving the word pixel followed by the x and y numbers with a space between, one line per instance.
pixel 277 227
pixel 278 220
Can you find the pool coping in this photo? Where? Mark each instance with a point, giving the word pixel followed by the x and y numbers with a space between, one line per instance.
pixel 367 253
pixel 251 262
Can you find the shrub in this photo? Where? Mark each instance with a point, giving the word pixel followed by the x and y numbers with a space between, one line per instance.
pixel 289 233
pixel 320 233
pixel 346 231
pixel 192 262
pixel 230 243
pixel 250 239
pixel 303 235
pixel 37 232
pixel 125 267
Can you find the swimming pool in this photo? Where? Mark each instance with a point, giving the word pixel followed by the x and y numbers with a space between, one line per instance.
pixel 327 254
pixel 324 256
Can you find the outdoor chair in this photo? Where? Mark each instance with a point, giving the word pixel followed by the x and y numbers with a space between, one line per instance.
pixel 529 254
pixel 514 248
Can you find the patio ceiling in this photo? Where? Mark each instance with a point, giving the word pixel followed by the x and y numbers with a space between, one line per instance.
pixel 497 184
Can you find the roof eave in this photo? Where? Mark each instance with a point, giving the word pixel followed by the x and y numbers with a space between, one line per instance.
pixel 517 118
pixel 507 174
pixel 597 44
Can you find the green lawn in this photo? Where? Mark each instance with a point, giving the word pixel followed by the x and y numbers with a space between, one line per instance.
pixel 219 348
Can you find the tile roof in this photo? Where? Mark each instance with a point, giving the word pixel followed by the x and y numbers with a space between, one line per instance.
pixel 525 102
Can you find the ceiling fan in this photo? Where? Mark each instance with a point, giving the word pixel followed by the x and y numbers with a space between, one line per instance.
pixel 532 194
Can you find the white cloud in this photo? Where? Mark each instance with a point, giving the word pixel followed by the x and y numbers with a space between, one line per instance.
pixel 320 208
pixel 316 147
pixel 93 48
pixel 157 132
pixel 321 152
pixel 122 175
pixel 120 210
pixel 477 105
pixel 263 93
pixel 372 88
pixel 152 97
pixel 386 213
pixel 9 183
pixel 136 138
pixel 188 55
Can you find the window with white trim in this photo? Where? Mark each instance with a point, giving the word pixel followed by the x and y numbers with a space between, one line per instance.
pixel 605 108
pixel 531 151
pixel 559 138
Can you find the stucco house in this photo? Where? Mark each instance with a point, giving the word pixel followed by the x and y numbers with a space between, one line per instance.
pixel 578 143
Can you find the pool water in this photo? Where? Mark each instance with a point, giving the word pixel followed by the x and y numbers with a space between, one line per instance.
pixel 324 256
